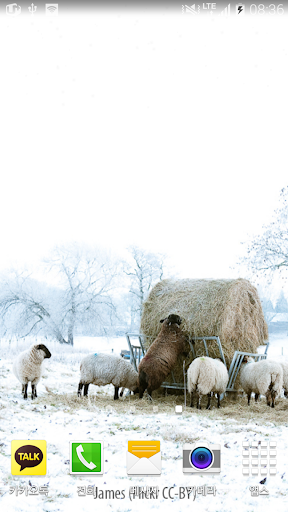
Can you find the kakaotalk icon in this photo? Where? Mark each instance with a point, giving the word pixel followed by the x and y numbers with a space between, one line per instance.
pixel 28 458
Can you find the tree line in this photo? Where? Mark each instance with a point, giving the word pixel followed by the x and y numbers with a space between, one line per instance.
pixel 79 289
pixel 89 291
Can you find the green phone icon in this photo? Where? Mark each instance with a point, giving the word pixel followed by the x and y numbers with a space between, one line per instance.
pixel 86 458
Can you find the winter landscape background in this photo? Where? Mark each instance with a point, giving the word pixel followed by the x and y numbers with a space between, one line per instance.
pixel 136 147
pixel 58 416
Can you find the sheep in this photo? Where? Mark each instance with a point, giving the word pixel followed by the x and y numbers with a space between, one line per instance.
pixel 284 365
pixel 162 355
pixel 103 369
pixel 263 378
pixel 27 367
pixel 207 376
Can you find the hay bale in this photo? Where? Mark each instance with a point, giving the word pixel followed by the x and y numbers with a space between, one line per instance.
pixel 228 308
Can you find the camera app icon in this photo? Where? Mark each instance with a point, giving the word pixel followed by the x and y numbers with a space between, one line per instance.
pixel 201 458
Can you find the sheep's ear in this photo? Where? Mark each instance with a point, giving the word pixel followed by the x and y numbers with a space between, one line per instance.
pixel 161 321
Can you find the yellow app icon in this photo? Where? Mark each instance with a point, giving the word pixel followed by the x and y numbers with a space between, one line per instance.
pixel 143 458
pixel 28 458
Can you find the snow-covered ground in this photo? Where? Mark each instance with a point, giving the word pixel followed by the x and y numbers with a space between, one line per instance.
pixel 58 416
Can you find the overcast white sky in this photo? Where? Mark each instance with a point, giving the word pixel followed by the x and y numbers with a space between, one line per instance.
pixel 169 132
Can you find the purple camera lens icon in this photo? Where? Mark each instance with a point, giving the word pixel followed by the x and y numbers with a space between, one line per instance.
pixel 201 457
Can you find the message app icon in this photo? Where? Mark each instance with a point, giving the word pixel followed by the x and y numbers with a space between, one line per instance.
pixel 86 458
pixel 143 458
pixel 28 458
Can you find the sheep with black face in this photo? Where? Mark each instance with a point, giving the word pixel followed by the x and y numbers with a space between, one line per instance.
pixel 162 355
pixel 206 376
pixel 27 367
pixel 103 369
pixel 262 378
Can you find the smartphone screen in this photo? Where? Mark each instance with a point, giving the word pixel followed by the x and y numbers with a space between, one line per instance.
pixel 143 285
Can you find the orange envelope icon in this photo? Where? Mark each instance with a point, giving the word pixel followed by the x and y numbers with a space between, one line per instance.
pixel 143 458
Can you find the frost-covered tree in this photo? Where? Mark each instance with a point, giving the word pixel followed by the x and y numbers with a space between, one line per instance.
pixel 267 253
pixel 268 309
pixel 143 270
pixel 87 277
pixel 281 304
pixel 82 294
pixel 28 306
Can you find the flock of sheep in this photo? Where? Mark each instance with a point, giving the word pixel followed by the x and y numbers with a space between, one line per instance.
pixel 205 375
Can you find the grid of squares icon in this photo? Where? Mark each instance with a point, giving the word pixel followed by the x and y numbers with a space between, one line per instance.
pixel 259 458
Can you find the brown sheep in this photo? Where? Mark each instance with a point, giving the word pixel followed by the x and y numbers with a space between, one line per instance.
pixel 162 355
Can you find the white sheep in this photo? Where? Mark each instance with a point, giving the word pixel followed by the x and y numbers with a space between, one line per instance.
pixel 103 369
pixel 206 376
pixel 27 367
pixel 284 365
pixel 264 377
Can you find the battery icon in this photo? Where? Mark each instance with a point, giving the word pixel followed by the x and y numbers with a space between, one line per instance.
pixel 240 8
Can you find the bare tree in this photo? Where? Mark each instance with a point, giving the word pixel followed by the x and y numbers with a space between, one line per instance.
pixel 85 279
pixel 268 309
pixel 267 253
pixel 26 300
pixel 143 270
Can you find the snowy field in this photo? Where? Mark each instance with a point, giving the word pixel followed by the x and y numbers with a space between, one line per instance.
pixel 58 416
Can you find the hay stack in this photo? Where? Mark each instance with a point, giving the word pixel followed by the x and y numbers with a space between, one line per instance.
pixel 228 308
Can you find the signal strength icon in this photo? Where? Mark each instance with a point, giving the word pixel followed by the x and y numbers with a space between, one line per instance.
pixel 226 11
pixel 51 9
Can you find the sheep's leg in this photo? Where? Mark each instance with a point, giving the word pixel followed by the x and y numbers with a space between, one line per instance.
pixel 23 388
pixel 86 386
pixel 25 391
pixel 122 391
pixel 209 400
pixel 273 396
pixel 142 383
pixel 249 396
pixel 80 386
pixel 218 400
pixel 116 393
pixel 199 401
pixel 149 391
pixel 33 394
pixel 191 399
pixel 256 397
pixel 268 397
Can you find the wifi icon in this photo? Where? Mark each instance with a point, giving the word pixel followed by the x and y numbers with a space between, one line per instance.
pixel 51 8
